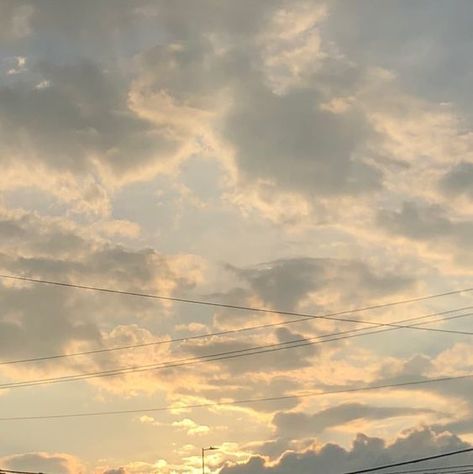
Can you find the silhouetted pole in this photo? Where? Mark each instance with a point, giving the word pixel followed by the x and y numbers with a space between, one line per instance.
pixel 210 448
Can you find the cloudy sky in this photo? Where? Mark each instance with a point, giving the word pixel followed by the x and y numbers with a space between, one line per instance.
pixel 305 156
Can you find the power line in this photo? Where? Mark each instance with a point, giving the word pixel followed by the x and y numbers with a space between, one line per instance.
pixel 18 472
pixel 247 401
pixel 238 307
pixel 218 356
pixel 238 353
pixel 303 316
pixel 159 342
pixel 429 470
pixel 225 355
pixel 413 461
pixel 443 470
pixel 439 468
pixel 426 471
pixel 228 332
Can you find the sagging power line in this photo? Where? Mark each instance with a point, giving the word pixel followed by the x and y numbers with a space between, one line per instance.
pixel 239 330
pixel 334 316
pixel 248 401
pixel 412 461
pixel 227 355
pixel 330 316
pixel 9 471
pixel 456 467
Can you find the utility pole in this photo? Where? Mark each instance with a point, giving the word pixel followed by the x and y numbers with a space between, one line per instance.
pixel 210 448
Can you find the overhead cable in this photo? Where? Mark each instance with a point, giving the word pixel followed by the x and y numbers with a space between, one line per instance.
pixel 248 401
pixel 227 355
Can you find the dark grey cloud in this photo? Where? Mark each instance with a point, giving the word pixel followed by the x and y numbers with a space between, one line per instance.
pixel 299 424
pixel 200 49
pixel 284 283
pixel 71 114
pixel 34 237
pixel 290 140
pixel 458 180
pixel 95 19
pixel 430 224
pixel 422 367
pixel 57 463
pixel 15 20
pixel 83 19
pixel 120 470
pixel 41 320
pixel 79 116
pixel 188 72
pixel 425 44
pixel 365 452
pixel 417 222
pixel 185 21
pixel 274 448
pixel 61 250
pixel 71 29
pixel 294 427
pixel 463 426
pixel 262 363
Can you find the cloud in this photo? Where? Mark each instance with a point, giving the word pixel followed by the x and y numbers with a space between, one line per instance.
pixel 79 124
pixel 286 110
pixel 275 98
pixel 92 27
pixel 427 53
pixel 320 117
pixel 458 181
pixel 191 427
pixel 265 362
pixel 59 463
pixel 444 234
pixel 417 222
pixel 299 424
pixel 82 119
pixel 287 283
pixel 187 425
pixel 39 320
pixel 229 19
pixel 290 140
pixel 262 106
pixel 15 20
pixel 365 452
pixel 139 467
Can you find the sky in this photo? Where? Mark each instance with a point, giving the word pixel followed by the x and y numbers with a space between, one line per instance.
pixel 301 156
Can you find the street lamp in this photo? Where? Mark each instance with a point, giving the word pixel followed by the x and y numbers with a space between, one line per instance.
pixel 210 448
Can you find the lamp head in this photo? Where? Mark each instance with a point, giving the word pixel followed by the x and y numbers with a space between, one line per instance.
pixel 210 448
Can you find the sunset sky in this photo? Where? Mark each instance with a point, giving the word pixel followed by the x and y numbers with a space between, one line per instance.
pixel 302 156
